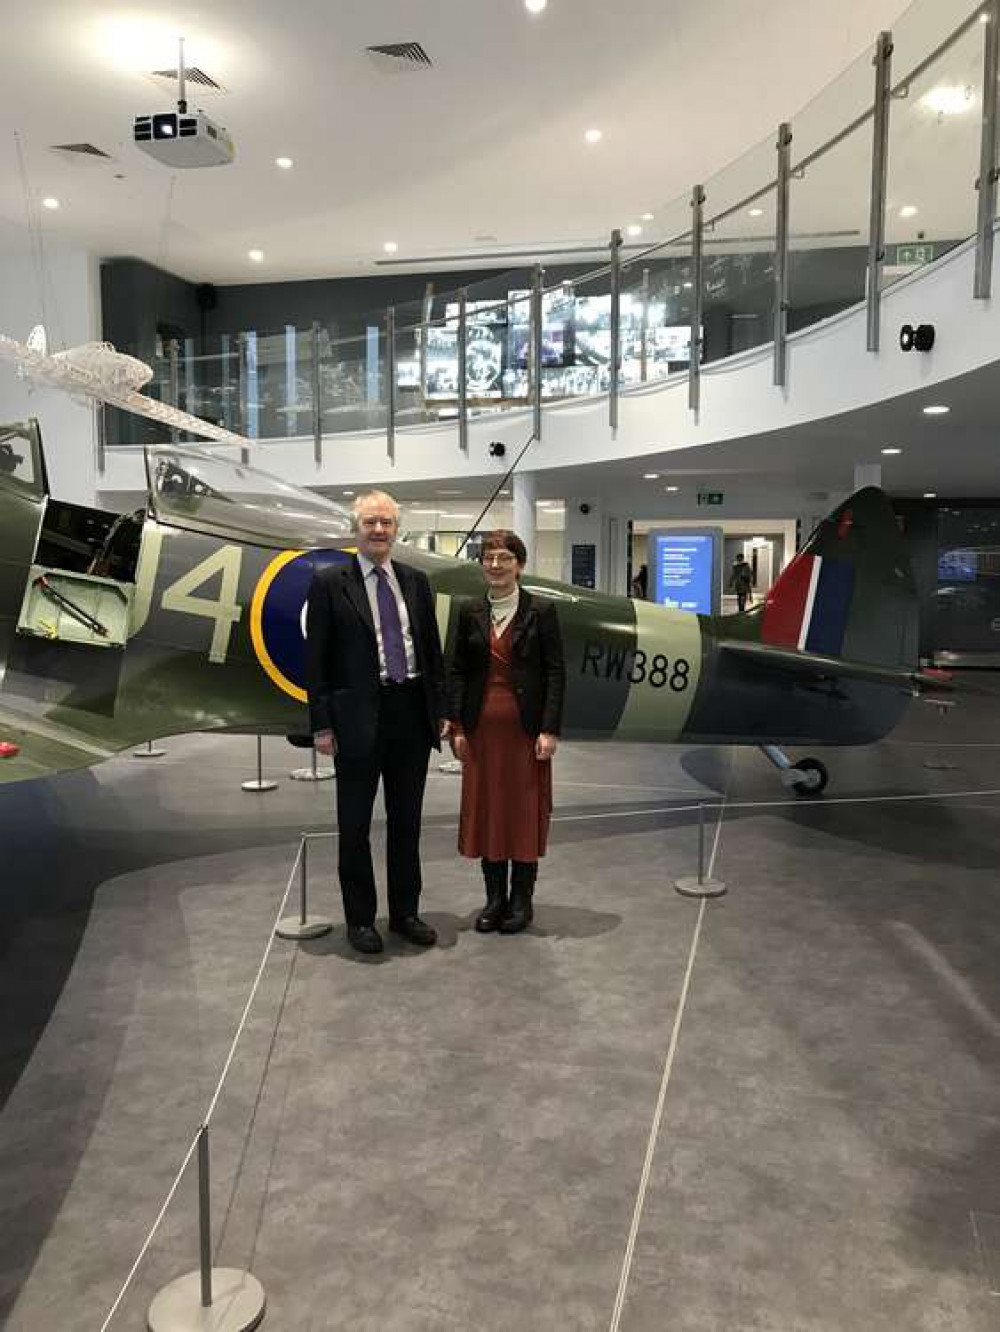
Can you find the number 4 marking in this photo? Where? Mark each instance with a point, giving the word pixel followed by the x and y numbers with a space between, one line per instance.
pixel 223 611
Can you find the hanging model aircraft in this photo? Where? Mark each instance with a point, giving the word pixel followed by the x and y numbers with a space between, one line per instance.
pixel 96 371
pixel 188 615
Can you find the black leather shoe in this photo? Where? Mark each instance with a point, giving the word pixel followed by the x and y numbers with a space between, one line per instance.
pixel 364 938
pixel 415 930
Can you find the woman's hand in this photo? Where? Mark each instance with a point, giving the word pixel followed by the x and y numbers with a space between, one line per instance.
pixel 459 745
pixel 545 746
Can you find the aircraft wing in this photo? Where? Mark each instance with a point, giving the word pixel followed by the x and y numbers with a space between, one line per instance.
pixel 815 666
pixel 63 374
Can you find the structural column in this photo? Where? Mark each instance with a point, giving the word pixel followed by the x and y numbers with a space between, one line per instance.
pixel 525 521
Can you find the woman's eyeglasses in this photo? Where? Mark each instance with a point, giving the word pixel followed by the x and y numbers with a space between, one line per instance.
pixel 498 557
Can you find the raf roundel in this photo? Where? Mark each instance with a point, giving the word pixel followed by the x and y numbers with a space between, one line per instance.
pixel 278 616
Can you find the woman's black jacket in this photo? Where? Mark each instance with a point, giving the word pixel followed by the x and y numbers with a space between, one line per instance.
pixel 537 664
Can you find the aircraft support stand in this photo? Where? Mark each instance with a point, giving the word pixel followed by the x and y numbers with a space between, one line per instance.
pixel 148 752
pixel 314 773
pixel 303 926
pixel 703 885
pixel 259 784
pixel 213 1299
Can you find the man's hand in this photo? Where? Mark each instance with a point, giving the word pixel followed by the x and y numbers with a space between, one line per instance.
pixel 459 745
pixel 325 743
pixel 545 746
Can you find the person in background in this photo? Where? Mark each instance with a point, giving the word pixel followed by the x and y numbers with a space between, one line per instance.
pixel 741 582
pixel 640 583
pixel 375 675
pixel 507 681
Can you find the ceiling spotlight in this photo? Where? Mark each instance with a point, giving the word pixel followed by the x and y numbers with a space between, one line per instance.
pixel 285 163
pixel 647 217
pixel 255 256
pixel 756 212
pixel 949 99
pixel 688 286
pixel 593 136
pixel 634 229
pixel 50 203
pixel 650 476
pixel 535 6
pixel 348 493
pixel 909 210
pixel 889 451
pixel 936 409
pixel 930 494
pixel 984 18
pixel 671 489
pixel 390 247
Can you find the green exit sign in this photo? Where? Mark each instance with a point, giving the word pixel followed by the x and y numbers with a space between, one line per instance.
pixel 710 497
pixel 914 255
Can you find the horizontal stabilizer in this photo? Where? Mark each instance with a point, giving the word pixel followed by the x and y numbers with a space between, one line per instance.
pixel 819 666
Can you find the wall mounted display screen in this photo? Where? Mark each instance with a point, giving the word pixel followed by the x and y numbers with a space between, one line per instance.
pixel 684 569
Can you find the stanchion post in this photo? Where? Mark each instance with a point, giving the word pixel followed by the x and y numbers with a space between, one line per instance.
pixel 303 926
pixel 314 773
pixel 259 784
pixel 702 885
pixel 205 1217
pixel 148 752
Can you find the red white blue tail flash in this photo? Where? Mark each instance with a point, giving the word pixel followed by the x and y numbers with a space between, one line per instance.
pixel 809 606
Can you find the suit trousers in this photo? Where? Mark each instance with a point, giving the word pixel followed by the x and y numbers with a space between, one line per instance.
pixel 400 758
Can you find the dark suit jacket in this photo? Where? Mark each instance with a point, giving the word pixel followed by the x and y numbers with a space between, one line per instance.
pixel 537 665
pixel 342 655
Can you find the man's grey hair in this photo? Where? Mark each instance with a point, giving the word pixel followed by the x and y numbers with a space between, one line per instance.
pixel 373 496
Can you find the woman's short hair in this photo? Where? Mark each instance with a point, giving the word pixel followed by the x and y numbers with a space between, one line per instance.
pixel 504 539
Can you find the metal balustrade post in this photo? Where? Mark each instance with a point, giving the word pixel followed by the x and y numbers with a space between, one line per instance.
pixel 784 148
pixel 317 402
pixel 390 388
pixel 987 183
pixel 463 386
pixel 614 368
pixel 880 166
pixel 174 389
pixel 536 351
pixel 644 344
pixel 698 265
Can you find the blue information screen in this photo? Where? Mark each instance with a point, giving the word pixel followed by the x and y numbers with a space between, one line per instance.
pixel 682 570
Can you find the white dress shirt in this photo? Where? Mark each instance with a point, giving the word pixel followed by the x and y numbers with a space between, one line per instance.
pixel 371 588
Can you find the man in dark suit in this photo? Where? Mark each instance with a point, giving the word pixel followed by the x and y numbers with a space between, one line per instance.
pixel 376 700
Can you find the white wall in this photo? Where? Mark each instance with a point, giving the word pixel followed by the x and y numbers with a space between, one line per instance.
pixel 71 313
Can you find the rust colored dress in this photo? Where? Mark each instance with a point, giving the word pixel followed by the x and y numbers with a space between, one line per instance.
pixel 506 791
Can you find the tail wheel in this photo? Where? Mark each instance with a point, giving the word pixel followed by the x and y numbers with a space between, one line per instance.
pixel 814 778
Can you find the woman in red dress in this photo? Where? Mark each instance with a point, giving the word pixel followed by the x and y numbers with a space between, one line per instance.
pixel 506 698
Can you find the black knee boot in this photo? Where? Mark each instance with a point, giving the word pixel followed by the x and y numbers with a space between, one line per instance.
pixel 522 889
pixel 495 877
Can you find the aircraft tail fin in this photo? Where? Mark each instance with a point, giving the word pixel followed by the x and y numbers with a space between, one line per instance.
pixel 849 592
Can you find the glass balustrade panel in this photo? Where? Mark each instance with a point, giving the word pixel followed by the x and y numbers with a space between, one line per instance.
pixel 656 294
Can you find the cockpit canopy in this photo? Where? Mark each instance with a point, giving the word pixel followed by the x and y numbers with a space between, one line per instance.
pixel 207 493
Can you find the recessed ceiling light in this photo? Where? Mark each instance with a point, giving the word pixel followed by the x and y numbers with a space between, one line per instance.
pixel 936 409
pixel 285 163
pixel 348 493
pixel 50 203
pixel 451 492
pixel 887 451
pixel 984 18
pixel 390 247
pixel 634 229
pixel 593 136
pixel 255 256
pixel 535 6
pixel 949 99
pixel 671 489
pixel 650 476
pixel 930 494
pixel 647 217
pixel 909 210
pixel 756 212
pixel 688 286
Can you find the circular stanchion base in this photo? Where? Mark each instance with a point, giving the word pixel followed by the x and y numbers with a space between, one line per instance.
pixel 309 775
pixel 294 927
pixel 238 1304
pixel 148 753
pixel 258 786
pixel 691 886
pixel 449 765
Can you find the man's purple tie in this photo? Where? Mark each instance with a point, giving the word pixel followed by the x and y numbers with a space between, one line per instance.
pixel 392 629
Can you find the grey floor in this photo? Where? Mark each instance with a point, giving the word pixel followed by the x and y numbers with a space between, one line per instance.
pixel 780 1110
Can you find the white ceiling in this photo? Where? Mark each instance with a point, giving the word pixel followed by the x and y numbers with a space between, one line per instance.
pixel 487 143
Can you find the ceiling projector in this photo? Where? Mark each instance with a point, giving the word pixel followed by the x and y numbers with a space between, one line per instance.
pixel 179 140
pixel 182 140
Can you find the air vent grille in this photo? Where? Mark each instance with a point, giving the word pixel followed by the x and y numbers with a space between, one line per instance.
pixel 195 78
pixel 400 57
pixel 81 149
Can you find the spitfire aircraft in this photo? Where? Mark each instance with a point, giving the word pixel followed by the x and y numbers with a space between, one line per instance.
pixel 189 615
